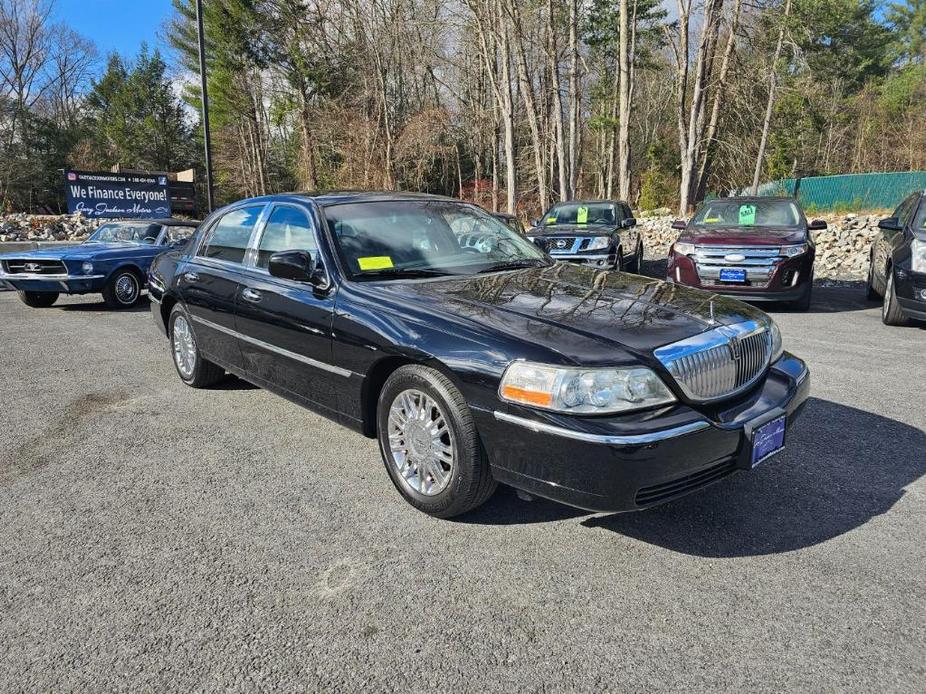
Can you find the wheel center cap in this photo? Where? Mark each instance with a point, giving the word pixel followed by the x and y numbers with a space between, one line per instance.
pixel 418 440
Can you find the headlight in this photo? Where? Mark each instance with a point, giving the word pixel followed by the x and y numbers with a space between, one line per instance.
pixel 597 243
pixel 87 268
pixel 792 251
pixel 918 257
pixel 683 248
pixel 582 391
pixel 777 347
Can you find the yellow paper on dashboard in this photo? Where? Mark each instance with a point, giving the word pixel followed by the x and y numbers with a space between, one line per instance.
pixel 376 262
pixel 582 215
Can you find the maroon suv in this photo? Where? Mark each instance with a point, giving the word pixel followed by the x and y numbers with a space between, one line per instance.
pixel 755 249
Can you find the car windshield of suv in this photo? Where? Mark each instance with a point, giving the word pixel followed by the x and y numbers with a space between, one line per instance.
pixel 421 238
pixel 748 213
pixel 132 233
pixel 580 213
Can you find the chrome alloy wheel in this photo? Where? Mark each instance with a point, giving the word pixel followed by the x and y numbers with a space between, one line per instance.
pixel 184 347
pixel 126 289
pixel 420 445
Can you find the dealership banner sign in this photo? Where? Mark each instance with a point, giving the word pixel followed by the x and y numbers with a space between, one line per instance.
pixel 103 194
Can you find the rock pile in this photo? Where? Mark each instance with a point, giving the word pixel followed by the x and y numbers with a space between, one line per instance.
pixel 32 227
pixel 842 248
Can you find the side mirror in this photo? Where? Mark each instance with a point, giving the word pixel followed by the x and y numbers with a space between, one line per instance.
pixel 680 224
pixel 889 223
pixel 816 225
pixel 629 222
pixel 294 265
pixel 535 222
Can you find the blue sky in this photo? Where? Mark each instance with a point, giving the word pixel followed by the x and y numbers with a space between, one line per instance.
pixel 115 25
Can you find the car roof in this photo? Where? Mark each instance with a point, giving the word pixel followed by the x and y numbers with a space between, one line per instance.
pixel 756 198
pixel 164 221
pixel 589 202
pixel 341 197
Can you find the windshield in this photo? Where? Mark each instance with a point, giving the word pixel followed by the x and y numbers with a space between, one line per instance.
pixel 580 213
pixel 127 231
pixel 427 237
pixel 748 213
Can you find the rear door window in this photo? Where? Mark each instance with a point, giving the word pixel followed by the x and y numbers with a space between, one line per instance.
pixel 228 238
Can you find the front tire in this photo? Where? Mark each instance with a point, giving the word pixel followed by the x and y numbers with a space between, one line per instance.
pixel 803 304
pixel 891 313
pixel 123 290
pixel 38 299
pixel 870 292
pixel 430 445
pixel 192 368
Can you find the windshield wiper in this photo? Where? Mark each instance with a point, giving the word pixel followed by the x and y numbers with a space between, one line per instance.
pixel 513 265
pixel 402 272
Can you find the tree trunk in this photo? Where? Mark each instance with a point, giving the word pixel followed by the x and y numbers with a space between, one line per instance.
pixel 770 106
pixel 623 134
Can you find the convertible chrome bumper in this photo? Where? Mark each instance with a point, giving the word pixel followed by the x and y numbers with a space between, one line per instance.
pixel 13 276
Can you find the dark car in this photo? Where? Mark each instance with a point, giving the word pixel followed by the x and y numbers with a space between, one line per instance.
pixel 755 249
pixel 477 363
pixel 114 261
pixel 600 233
pixel 897 271
pixel 510 220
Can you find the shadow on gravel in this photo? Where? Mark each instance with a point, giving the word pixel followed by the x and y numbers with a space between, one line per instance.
pixel 143 306
pixel 842 467
pixel 232 382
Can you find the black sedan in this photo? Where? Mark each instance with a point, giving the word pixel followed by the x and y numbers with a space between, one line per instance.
pixel 599 233
pixel 897 271
pixel 476 361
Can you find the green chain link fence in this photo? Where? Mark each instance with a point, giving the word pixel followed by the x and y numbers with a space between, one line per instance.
pixel 849 191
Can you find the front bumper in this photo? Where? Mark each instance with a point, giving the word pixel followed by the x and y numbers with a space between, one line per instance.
pixel 788 280
pixel 612 464
pixel 594 260
pixel 911 293
pixel 68 284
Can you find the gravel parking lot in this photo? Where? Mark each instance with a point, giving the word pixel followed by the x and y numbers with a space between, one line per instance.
pixel 155 537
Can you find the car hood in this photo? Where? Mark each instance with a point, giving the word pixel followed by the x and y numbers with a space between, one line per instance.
pixel 81 251
pixel 743 236
pixel 586 315
pixel 574 230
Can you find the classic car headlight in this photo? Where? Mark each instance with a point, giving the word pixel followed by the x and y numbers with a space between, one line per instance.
pixel 777 348
pixel 583 391
pixel 795 250
pixel 918 255
pixel 683 248
pixel 597 243
pixel 87 267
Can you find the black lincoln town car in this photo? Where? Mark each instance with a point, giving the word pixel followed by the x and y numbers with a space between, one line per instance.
pixel 473 356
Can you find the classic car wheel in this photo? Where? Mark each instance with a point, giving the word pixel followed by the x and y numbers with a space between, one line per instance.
pixel 122 290
pixel 429 443
pixel 891 313
pixel 38 299
pixel 191 367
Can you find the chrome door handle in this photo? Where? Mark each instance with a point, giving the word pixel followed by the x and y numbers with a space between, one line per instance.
pixel 190 276
pixel 250 295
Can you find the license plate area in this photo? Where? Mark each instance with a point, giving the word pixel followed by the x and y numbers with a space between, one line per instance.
pixel 732 275
pixel 767 440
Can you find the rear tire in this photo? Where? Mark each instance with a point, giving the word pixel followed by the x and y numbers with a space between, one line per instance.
pixel 192 368
pixel 123 290
pixel 429 443
pixel 891 313
pixel 38 299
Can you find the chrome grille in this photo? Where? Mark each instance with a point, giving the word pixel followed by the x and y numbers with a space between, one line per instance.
pixel 28 266
pixel 757 261
pixel 568 244
pixel 720 362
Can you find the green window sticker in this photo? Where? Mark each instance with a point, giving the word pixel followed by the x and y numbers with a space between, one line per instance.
pixel 747 214
pixel 582 215
pixel 551 219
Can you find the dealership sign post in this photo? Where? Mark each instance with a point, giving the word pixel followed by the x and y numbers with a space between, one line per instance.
pixel 103 194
